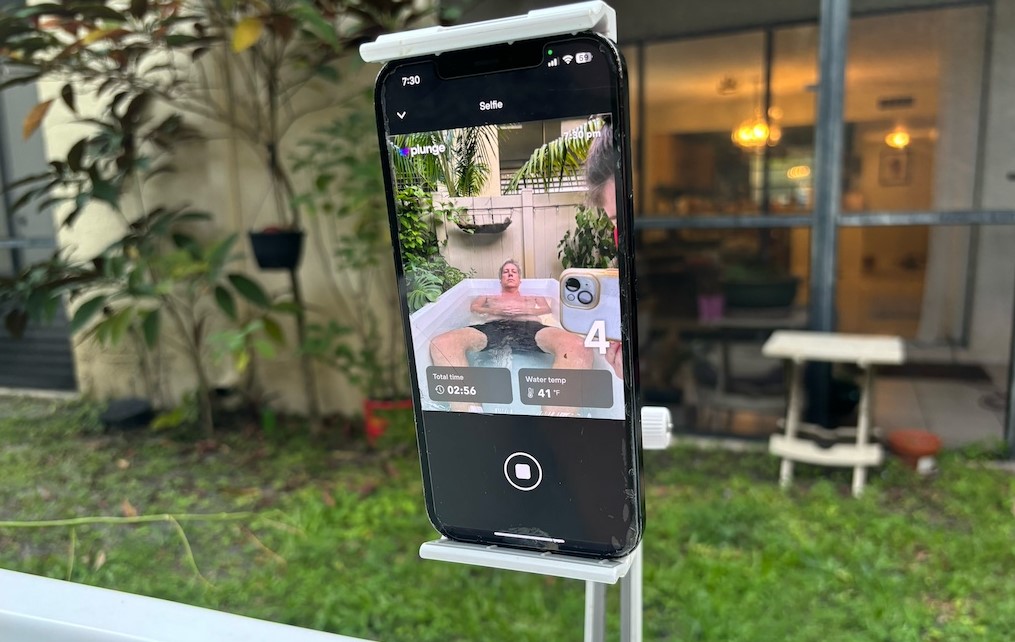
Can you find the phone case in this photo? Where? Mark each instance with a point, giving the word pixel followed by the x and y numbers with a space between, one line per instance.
pixel 606 306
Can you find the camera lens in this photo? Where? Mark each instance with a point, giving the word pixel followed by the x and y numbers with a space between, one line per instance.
pixel 585 297
pixel 572 284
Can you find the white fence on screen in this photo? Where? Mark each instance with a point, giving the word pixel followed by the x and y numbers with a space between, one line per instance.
pixel 538 223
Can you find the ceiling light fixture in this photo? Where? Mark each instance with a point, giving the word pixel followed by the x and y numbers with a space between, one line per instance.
pixel 757 132
pixel 898 138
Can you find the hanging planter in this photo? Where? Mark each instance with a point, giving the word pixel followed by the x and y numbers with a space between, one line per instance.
pixel 277 249
pixel 490 223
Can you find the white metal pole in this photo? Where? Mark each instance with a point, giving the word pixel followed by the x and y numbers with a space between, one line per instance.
pixel 595 612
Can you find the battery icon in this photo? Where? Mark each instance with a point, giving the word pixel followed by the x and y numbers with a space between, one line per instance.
pixel 583 57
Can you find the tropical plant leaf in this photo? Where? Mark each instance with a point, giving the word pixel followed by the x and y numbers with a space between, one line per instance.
pixel 219 254
pixel 20 80
pixel 76 155
pixel 288 307
pixel 248 31
pixel 85 312
pixel 249 290
pixel 105 191
pixel 315 23
pixel 151 327
pixel 96 35
pixel 119 323
pixel 264 348
pixel 226 302
pixel 67 93
pixel 34 118
pixel 187 243
pixel 274 330
pixel 559 158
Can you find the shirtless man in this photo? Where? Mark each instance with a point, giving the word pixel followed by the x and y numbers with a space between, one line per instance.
pixel 513 323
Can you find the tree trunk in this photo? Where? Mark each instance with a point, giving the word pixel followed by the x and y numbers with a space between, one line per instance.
pixel 306 365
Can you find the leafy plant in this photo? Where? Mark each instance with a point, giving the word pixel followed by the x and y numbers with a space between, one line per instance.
pixel 590 244
pixel 427 273
pixel 562 157
pixel 258 337
pixel 158 273
pixel 423 285
pixel 35 294
pixel 418 222
pixel 102 166
pixel 250 59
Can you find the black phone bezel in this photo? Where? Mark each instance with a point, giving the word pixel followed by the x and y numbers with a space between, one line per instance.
pixel 496 58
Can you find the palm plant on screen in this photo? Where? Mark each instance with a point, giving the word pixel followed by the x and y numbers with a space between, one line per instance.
pixel 558 159
pixel 461 163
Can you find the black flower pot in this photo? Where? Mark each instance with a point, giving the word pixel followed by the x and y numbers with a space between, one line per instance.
pixel 277 250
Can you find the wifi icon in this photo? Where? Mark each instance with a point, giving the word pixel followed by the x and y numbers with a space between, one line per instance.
pixel 567 59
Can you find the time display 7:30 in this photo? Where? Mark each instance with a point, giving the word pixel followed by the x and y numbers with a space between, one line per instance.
pixel 408 81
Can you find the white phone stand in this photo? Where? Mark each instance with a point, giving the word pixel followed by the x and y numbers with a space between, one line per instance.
pixel 595 16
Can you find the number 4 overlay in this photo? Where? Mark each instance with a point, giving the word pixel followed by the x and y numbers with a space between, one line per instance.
pixel 596 338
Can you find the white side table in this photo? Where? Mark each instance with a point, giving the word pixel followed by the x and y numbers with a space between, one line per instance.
pixel 866 351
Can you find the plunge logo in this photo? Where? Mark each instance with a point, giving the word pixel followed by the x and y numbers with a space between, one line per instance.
pixel 415 150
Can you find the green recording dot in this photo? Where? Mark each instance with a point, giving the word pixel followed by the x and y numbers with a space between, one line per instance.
pixel 549 52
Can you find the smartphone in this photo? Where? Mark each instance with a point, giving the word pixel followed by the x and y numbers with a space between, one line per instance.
pixel 590 304
pixel 529 437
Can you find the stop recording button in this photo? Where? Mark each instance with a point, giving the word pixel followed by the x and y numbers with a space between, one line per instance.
pixel 522 471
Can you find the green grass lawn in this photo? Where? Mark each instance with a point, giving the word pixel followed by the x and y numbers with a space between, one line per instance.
pixel 333 542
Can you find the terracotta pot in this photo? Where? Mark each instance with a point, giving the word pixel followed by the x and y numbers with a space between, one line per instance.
pixel 913 445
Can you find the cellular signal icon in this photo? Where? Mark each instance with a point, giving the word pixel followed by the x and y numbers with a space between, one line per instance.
pixel 567 59
pixel 553 63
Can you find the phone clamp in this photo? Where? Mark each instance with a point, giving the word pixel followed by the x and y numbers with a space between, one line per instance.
pixel 596 16
pixel 597 574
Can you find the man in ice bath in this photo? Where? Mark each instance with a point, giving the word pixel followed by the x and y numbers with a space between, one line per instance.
pixel 513 322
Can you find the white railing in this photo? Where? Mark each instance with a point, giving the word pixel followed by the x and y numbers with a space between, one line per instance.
pixel 39 609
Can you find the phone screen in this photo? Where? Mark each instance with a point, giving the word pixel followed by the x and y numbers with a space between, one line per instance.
pixel 510 214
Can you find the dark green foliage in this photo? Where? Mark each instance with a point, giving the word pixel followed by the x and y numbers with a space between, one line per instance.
pixel 590 244
pixel 427 272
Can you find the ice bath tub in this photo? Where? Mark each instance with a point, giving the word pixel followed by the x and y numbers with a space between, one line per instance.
pixel 451 311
